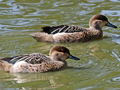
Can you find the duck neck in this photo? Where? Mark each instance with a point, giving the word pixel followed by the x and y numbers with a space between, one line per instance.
pixel 96 30
pixel 95 27
pixel 60 64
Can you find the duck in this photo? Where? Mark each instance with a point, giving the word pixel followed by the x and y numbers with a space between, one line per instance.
pixel 37 62
pixel 73 33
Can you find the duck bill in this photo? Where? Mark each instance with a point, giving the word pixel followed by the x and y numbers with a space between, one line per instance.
pixel 73 57
pixel 111 25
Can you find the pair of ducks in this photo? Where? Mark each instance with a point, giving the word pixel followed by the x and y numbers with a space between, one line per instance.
pixel 37 63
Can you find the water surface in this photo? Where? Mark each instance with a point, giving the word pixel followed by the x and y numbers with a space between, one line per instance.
pixel 98 68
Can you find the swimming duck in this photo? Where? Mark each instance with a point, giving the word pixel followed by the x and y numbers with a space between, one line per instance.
pixel 73 33
pixel 37 63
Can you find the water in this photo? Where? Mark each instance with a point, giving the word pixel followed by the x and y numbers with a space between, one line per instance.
pixel 98 68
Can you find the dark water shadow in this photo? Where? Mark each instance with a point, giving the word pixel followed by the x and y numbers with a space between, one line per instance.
pixel 71 67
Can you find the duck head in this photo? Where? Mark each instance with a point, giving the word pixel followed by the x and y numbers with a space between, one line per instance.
pixel 61 53
pixel 99 21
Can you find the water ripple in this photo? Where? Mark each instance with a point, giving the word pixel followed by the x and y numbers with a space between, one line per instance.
pixel 116 79
pixel 111 12
pixel 99 64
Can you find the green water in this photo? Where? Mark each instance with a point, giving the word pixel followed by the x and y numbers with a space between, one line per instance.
pixel 98 68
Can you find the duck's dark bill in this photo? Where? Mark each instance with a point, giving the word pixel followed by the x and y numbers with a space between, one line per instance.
pixel 73 57
pixel 111 25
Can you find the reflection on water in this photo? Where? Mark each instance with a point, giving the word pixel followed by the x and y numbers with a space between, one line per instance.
pixel 98 68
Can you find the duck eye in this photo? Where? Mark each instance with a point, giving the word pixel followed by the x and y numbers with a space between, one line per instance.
pixel 56 54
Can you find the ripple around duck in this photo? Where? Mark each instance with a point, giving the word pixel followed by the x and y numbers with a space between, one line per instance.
pixel 116 40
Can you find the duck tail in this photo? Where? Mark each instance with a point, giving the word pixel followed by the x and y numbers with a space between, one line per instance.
pixel 5 66
pixel 42 37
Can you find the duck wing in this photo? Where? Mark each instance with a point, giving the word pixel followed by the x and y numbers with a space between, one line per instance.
pixel 62 28
pixel 34 58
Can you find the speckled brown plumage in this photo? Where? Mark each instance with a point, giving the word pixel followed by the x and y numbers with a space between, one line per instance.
pixel 73 33
pixel 37 63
